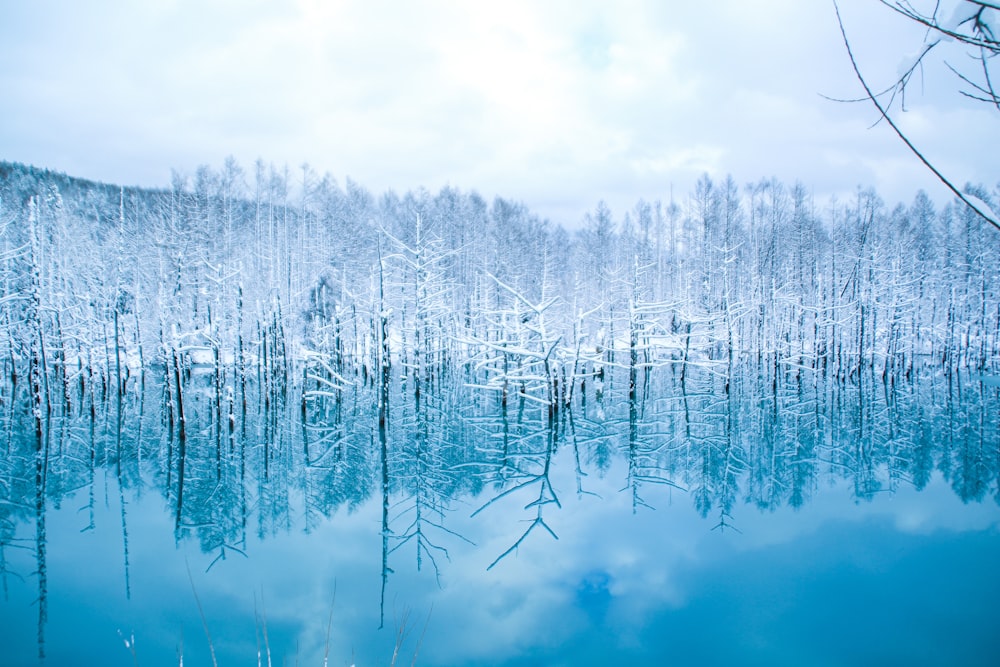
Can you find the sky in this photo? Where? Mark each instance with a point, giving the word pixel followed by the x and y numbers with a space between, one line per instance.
pixel 556 104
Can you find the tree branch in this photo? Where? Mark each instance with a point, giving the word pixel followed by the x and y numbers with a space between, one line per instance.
pixel 884 114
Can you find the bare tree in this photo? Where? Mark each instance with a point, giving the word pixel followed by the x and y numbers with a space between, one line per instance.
pixel 968 27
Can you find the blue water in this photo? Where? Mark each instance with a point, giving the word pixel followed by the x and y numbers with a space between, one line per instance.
pixel 885 570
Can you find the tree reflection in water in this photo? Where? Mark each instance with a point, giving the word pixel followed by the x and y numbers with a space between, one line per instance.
pixel 727 440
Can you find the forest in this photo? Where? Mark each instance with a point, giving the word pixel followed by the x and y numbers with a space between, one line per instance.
pixel 265 346
pixel 296 280
pixel 282 298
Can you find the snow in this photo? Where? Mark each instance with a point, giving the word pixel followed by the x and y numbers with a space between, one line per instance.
pixel 982 206
pixel 963 12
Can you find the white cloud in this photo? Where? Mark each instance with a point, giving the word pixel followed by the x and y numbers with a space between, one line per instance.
pixel 559 104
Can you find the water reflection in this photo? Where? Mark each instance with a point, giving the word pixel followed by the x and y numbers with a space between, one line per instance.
pixel 471 500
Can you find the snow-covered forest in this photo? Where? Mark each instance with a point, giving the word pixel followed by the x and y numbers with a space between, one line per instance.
pixel 258 302
pixel 282 276
pixel 271 345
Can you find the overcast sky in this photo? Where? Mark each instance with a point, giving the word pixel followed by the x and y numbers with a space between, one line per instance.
pixel 556 104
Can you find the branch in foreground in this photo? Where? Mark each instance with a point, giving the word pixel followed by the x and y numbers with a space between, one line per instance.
pixel 884 113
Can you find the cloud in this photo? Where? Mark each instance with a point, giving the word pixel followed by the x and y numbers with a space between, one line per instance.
pixel 559 104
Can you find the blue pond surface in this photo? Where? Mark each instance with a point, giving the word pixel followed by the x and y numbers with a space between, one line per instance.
pixel 612 536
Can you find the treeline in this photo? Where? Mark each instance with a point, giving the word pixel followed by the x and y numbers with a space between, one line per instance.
pixel 274 276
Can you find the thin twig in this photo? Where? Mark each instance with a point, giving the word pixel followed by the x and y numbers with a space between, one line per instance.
pixel 329 625
pixel 201 612
pixel 932 24
pixel 263 617
pixel 420 641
